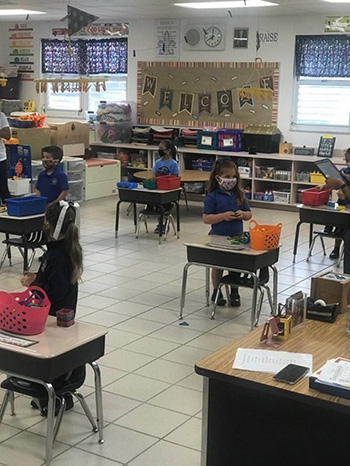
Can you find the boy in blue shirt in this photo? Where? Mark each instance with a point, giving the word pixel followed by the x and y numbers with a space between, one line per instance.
pixel 52 181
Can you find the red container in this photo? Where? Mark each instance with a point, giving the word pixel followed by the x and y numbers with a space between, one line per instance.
pixel 314 197
pixel 168 182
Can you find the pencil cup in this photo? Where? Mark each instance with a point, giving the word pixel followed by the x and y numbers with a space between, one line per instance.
pixel 347 325
pixel 65 317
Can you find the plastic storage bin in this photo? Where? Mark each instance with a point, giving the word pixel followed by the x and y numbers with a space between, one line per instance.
pixel 317 177
pixel 281 196
pixel 75 175
pixel 75 192
pixel 314 197
pixel 207 139
pixel 23 206
pixel 113 132
pixel 230 140
pixel 303 177
pixel 168 182
pixel 202 165
pixel 263 237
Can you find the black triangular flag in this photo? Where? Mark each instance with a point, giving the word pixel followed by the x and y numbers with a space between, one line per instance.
pixel 78 19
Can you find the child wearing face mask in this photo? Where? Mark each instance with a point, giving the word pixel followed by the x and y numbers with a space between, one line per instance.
pixel 225 208
pixel 342 200
pixel 52 182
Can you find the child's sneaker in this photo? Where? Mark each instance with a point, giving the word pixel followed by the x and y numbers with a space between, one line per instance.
pixel 334 254
pixel 221 300
pixel 163 229
pixel 235 299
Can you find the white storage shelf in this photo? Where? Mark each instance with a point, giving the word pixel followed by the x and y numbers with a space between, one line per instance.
pixel 101 180
pixel 293 163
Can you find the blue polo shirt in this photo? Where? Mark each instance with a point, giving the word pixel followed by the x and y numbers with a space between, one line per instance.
pixel 51 185
pixel 218 202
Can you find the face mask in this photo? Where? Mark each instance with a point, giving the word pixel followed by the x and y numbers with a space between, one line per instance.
pixel 227 184
pixel 48 164
pixel 161 152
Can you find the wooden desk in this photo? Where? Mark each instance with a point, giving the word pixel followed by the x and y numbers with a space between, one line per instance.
pixel 187 176
pixel 21 226
pixel 58 351
pixel 249 419
pixel 155 197
pixel 247 260
pixel 320 215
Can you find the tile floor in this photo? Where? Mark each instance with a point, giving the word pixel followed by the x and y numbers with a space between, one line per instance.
pixel 152 397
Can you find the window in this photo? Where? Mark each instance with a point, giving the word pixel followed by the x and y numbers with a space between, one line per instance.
pixel 102 57
pixel 322 86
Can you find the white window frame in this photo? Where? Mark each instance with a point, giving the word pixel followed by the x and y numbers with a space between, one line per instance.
pixel 84 99
pixel 318 128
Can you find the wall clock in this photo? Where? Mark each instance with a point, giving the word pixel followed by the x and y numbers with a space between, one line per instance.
pixel 204 37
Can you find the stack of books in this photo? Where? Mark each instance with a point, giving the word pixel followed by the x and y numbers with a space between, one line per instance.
pixel 333 378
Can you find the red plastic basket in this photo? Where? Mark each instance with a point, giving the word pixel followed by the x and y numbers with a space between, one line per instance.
pixel 168 182
pixel 314 197
pixel 18 314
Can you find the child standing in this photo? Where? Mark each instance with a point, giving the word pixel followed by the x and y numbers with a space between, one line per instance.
pixel 52 182
pixel 225 208
pixel 342 200
pixel 5 133
pixel 165 165
pixel 60 270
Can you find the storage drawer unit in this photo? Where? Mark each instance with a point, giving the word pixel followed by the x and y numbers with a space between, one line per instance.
pixel 101 177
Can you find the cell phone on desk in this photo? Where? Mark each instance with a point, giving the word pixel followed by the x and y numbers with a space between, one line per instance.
pixel 291 374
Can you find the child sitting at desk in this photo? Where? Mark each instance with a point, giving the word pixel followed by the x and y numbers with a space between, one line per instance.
pixel 342 200
pixel 62 265
pixel 165 165
pixel 225 208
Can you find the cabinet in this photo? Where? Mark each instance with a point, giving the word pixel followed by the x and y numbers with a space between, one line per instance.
pixel 101 177
pixel 286 175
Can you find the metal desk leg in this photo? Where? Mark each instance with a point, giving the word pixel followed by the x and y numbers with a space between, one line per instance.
pixel 161 219
pixel 117 210
pixel 296 240
pixel 50 421
pixel 311 234
pixel 178 218
pixel 25 256
pixel 207 284
pixel 183 290
pixel 275 287
pixel 254 300
pixel 135 217
pixel 205 417
pixel 98 396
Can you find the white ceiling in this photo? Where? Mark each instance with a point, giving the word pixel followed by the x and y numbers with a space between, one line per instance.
pixel 124 10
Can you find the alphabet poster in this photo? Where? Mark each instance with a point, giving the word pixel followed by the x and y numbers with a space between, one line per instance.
pixel 228 95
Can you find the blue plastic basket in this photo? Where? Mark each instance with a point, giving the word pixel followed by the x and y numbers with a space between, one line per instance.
pixel 28 205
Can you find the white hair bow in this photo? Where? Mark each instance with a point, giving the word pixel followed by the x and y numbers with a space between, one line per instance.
pixel 65 205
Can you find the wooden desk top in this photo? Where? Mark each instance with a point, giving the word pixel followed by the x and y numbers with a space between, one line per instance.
pixel 55 340
pixel 187 176
pixel 324 208
pixel 145 190
pixel 217 239
pixel 324 341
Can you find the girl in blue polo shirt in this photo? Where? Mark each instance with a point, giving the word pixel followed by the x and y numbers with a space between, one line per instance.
pixel 225 208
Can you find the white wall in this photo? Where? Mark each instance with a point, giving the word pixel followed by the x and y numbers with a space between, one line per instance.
pixel 142 40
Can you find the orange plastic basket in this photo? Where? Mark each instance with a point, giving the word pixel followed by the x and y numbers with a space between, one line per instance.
pixel 264 237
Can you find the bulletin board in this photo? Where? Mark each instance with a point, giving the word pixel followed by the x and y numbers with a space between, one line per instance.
pixel 228 95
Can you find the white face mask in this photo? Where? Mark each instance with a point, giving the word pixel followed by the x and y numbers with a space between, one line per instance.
pixel 227 184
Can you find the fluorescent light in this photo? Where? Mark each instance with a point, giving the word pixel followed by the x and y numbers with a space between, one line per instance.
pixel 20 12
pixel 337 1
pixel 227 5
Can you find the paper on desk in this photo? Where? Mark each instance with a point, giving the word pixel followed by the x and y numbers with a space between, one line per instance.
pixel 269 361
pixel 336 372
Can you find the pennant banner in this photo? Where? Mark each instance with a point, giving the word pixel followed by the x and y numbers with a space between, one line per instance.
pixel 204 103
pixel 186 102
pixel 150 85
pixel 78 19
pixel 267 82
pixel 166 98
pixel 245 97
pixel 225 103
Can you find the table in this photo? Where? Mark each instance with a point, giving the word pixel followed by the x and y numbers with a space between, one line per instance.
pixel 247 260
pixel 320 215
pixel 187 176
pixel 58 351
pixel 22 226
pixel 249 419
pixel 155 197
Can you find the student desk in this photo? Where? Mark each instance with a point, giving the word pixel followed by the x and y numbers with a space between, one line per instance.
pixel 11 225
pixel 155 197
pixel 249 419
pixel 187 176
pixel 247 260
pixel 58 351
pixel 320 215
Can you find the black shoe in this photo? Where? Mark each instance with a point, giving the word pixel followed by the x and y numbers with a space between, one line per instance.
pixel 334 254
pixel 328 229
pixel 235 299
pixel 221 301
pixel 43 404
pixel 163 230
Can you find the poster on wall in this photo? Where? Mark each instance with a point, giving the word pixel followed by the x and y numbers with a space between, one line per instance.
pixel 228 95
pixel 167 38
pixel 337 24
pixel 22 50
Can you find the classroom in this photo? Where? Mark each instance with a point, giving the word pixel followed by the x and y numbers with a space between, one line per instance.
pixel 175 191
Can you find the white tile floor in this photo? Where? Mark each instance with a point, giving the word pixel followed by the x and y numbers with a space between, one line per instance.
pixel 152 397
